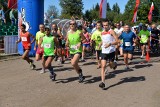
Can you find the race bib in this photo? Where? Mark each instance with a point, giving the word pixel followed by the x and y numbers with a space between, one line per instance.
pixel 74 47
pixel 127 43
pixel 47 45
pixel 143 36
pixel 24 39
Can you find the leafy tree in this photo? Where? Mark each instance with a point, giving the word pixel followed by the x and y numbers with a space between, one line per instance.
pixel 71 8
pixel 52 10
pixel 108 7
pixel 116 8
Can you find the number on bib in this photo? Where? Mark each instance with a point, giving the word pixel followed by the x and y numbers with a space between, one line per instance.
pixel 47 45
pixel 24 39
pixel 127 44
pixel 73 47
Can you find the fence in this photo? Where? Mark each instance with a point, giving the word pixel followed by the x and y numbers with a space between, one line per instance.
pixel 8 44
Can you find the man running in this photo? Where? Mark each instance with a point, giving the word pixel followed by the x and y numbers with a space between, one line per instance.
pixel 119 47
pixel 144 36
pixel 39 53
pixel 58 52
pixel 129 38
pixel 48 42
pixel 26 42
pixel 109 40
pixel 74 39
pixel 96 37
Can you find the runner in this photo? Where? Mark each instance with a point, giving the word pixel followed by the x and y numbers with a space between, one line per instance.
pixel 58 51
pixel 96 37
pixel 129 38
pixel 26 42
pixel 48 42
pixel 39 53
pixel 86 45
pixel 119 47
pixel 143 36
pixel 109 40
pixel 74 39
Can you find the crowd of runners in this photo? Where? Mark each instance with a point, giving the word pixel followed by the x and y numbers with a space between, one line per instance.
pixel 107 41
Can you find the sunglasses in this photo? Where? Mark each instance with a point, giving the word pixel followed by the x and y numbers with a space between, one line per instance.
pixel 72 23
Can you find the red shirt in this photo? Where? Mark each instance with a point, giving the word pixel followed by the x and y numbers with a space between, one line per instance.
pixel 25 38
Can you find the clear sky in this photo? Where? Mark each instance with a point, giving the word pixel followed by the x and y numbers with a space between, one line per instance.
pixel 88 4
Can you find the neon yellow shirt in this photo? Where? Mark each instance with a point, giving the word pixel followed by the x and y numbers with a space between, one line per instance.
pixel 96 36
pixel 144 36
pixel 39 34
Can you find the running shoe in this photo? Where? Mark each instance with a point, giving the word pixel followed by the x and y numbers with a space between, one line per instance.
pixel 81 78
pixel 56 58
pixel 102 85
pixel 42 71
pixel 53 77
pixel 142 56
pixel 126 68
pixel 115 65
pixel 62 62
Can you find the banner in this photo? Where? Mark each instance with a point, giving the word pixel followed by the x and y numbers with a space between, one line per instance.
pixel 12 4
pixel 150 13
pixel 103 9
pixel 135 11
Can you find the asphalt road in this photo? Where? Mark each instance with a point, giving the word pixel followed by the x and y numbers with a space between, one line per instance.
pixel 22 87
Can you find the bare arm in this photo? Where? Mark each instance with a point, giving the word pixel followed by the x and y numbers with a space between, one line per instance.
pixel 40 42
pixel 19 40
pixel 115 37
pixel 32 37
pixel 56 42
pixel 83 39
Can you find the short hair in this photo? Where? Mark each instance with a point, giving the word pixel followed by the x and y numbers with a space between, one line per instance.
pixel 24 26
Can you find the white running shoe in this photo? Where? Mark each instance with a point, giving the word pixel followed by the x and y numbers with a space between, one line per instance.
pixel 42 71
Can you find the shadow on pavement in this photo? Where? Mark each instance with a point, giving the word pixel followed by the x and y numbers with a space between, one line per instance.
pixel 90 63
pixel 126 80
pixel 71 79
pixel 63 69
pixel 142 66
pixel 97 79
pixel 121 71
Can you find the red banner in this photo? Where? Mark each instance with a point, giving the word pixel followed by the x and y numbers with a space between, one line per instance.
pixel 135 11
pixel 150 13
pixel 12 4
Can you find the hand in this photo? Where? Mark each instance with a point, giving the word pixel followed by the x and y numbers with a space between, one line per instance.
pixel 107 45
pixel 78 45
pixel 29 44
pixel 17 42
pixel 35 48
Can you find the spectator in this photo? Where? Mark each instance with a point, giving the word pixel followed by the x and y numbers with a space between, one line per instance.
pixel 52 17
pixel 2 16
pixel 12 18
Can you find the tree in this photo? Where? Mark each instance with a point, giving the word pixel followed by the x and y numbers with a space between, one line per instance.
pixel 108 7
pixel 52 10
pixel 71 8
pixel 116 8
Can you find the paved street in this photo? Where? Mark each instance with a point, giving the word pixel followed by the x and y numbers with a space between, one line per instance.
pixel 22 87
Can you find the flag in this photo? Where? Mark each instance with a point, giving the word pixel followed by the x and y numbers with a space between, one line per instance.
pixel 135 11
pixel 103 9
pixel 150 13
pixel 12 4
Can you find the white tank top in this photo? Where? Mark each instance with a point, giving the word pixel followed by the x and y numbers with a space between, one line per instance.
pixel 106 39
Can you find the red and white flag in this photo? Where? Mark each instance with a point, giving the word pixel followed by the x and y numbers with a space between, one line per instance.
pixel 103 9
pixel 135 11
pixel 12 4
pixel 150 13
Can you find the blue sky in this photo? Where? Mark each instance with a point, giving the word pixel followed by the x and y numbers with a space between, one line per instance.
pixel 88 4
